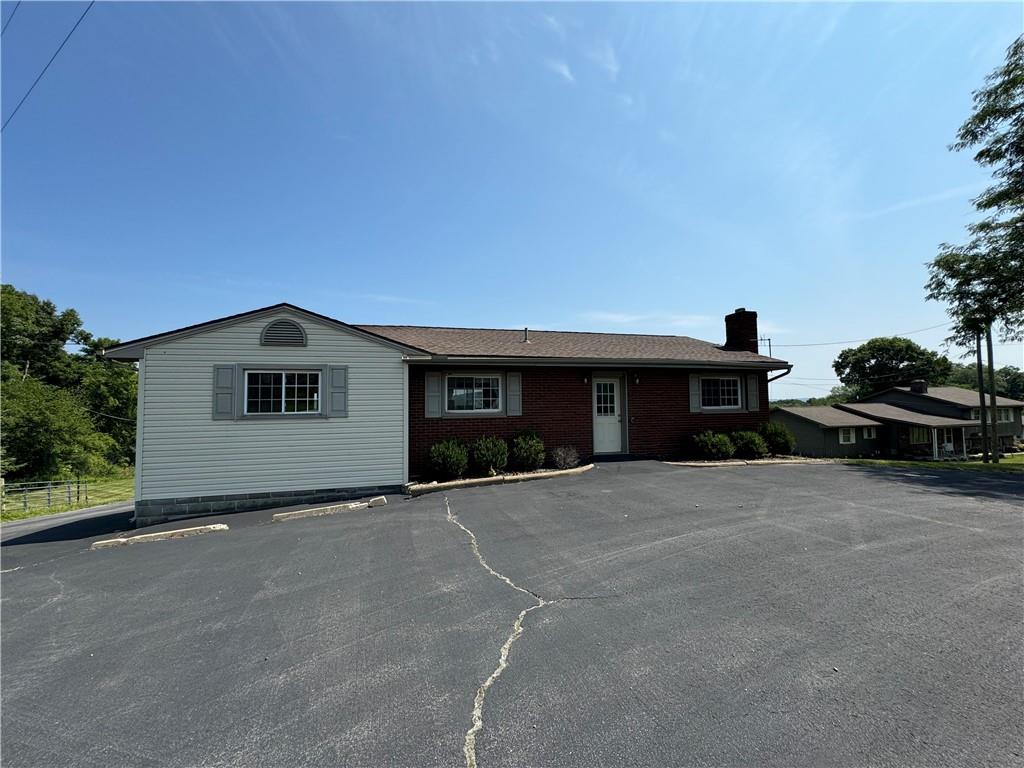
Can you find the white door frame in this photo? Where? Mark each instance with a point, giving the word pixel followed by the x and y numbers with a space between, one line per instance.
pixel 619 382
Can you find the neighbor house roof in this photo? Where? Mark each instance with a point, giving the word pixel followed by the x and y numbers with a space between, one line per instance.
pixel 961 396
pixel 887 412
pixel 567 345
pixel 829 416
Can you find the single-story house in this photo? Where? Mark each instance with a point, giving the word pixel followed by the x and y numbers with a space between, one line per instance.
pixel 824 431
pixel 915 434
pixel 958 403
pixel 281 405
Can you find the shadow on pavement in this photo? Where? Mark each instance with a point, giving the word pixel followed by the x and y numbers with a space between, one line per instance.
pixel 100 525
pixel 1000 486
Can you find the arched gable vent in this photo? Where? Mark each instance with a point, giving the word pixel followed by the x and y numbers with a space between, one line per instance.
pixel 283 333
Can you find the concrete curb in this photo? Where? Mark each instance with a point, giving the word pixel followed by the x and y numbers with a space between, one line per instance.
pixel 142 538
pixel 418 489
pixel 333 509
pixel 751 463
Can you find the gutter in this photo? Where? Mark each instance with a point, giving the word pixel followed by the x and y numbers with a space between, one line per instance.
pixel 789 370
pixel 600 362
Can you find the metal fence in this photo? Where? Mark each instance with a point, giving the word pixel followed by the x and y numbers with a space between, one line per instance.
pixel 52 495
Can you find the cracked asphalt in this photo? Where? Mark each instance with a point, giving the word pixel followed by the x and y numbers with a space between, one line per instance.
pixel 777 615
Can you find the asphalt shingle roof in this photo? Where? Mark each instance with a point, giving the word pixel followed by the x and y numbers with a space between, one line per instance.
pixel 828 416
pixel 887 412
pixel 961 396
pixel 493 342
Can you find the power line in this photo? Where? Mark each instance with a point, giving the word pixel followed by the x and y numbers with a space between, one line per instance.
pixel 858 341
pixel 109 415
pixel 10 17
pixel 36 82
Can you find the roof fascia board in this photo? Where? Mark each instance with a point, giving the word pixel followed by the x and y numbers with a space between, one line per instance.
pixel 575 362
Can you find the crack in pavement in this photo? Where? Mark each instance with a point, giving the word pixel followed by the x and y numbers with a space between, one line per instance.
pixel 469 746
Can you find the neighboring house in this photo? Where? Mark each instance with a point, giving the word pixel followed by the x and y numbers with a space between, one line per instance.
pixel 913 434
pixel 824 431
pixel 958 403
pixel 281 405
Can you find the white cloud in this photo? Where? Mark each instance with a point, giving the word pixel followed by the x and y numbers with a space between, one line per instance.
pixel 553 24
pixel 965 191
pixel 561 69
pixel 604 56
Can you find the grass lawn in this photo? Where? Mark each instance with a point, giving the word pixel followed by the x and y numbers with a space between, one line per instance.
pixel 102 490
pixel 1013 462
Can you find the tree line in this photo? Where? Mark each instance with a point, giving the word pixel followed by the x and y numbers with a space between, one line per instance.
pixel 66 411
pixel 894 361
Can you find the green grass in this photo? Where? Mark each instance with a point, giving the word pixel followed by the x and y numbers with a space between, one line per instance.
pixel 1011 463
pixel 102 490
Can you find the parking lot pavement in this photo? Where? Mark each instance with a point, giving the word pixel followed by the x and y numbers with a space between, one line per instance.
pixel 794 615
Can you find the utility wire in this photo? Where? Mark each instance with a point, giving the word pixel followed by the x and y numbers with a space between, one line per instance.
pixel 109 415
pixel 36 82
pixel 858 341
pixel 10 17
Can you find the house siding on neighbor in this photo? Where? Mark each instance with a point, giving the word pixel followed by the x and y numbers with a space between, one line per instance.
pixel 557 403
pixel 186 454
pixel 817 440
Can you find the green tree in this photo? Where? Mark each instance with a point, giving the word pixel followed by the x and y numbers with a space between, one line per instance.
pixel 47 432
pixel 888 362
pixel 35 334
pixel 982 280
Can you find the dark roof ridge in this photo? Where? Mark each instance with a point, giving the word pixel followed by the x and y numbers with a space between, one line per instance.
pixel 533 330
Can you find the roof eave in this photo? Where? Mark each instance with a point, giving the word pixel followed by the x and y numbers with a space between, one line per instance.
pixel 602 362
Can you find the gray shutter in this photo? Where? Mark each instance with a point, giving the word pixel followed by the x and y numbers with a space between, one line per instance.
pixel 694 393
pixel 433 395
pixel 514 394
pixel 223 392
pixel 337 391
pixel 753 394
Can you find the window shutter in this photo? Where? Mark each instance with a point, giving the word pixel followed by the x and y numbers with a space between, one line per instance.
pixel 223 392
pixel 753 395
pixel 433 398
pixel 694 393
pixel 337 395
pixel 514 394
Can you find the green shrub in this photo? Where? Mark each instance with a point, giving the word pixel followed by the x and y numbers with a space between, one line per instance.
pixel 780 440
pixel 749 445
pixel 490 455
pixel 565 457
pixel 713 446
pixel 449 459
pixel 527 452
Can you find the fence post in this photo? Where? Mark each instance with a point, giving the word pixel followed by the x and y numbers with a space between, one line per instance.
pixel 24 501
pixel 49 495
pixel 69 492
pixel 78 490
pixel 86 491
pixel 3 496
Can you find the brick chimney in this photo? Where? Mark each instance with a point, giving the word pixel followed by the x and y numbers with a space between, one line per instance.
pixel 741 330
pixel 919 387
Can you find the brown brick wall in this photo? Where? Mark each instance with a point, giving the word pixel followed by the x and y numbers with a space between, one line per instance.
pixel 557 404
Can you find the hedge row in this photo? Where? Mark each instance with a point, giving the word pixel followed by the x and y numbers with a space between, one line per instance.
pixel 489 456
pixel 771 438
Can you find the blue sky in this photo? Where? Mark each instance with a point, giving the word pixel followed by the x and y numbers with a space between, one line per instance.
pixel 637 168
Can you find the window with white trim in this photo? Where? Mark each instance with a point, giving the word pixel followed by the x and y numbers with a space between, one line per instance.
pixel 1004 415
pixel 272 392
pixel 919 435
pixel 946 436
pixel 472 394
pixel 720 392
pixel 847 435
pixel 976 413
pixel 869 433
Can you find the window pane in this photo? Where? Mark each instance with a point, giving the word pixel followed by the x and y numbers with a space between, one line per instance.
pixel 474 393
pixel 282 392
pixel 719 393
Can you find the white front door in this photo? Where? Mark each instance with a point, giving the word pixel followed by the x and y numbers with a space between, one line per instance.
pixel 607 416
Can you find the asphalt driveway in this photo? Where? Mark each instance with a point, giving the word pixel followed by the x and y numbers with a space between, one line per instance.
pixel 781 615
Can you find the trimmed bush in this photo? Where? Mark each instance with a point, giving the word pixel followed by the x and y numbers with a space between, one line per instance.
pixel 749 445
pixel 780 440
pixel 490 455
pixel 449 459
pixel 527 452
pixel 713 446
pixel 565 457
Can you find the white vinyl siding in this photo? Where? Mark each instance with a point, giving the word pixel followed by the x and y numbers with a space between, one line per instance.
pixel 187 453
